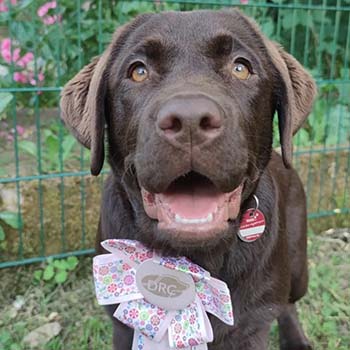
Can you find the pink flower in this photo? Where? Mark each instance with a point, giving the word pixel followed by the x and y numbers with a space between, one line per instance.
pixel 142 257
pixel 224 298
pixel 244 2
pixel 44 9
pixel 103 270
pixel 128 280
pixel 155 320
pixel 28 57
pixel 192 342
pixel 112 288
pixel 20 130
pixel 20 77
pixel 160 312
pixel 169 265
pixel 28 77
pixel 32 80
pixel 6 45
pixel 43 13
pixel 133 313
pixel 10 137
pixel 192 319
pixel 130 250
pixel 41 76
pixel 48 20
pixel 3 7
pixel 194 269
pixel 125 267
pixel 177 328
pixel 180 344
pixel 14 56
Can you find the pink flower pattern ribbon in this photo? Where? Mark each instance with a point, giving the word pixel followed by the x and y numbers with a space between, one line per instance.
pixel 155 327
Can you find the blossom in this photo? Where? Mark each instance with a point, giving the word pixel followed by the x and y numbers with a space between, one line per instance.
pixel 3 7
pixel 194 269
pixel 25 77
pixel 20 77
pixel 103 270
pixel 155 320
pixel 6 53
pixel 20 130
pixel 192 342
pixel 13 55
pixel 44 9
pixel 112 288
pixel 192 319
pixel 43 13
pixel 177 328
pixel 244 2
pixel 48 20
pixel 130 250
pixel 128 280
pixel 32 80
pixel 133 313
pixel 9 135
pixel 27 58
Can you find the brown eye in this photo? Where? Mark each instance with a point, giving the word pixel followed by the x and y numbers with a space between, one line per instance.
pixel 139 73
pixel 240 71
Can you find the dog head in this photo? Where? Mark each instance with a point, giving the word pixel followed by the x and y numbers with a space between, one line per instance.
pixel 188 101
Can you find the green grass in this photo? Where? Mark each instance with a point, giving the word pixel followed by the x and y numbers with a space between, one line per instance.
pixel 325 311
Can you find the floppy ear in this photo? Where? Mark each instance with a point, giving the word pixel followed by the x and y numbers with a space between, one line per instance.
pixel 296 91
pixel 82 108
pixel 83 105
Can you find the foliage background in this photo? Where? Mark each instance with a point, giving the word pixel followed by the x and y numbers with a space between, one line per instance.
pixel 48 202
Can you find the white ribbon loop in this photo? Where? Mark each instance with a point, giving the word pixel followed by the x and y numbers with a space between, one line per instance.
pixel 156 327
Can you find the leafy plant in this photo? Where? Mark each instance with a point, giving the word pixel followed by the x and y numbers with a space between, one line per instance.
pixel 5 100
pixel 56 271
pixel 7 342
pixel 328 123
pixel 51 148
pixel 11 219
pixel 62 49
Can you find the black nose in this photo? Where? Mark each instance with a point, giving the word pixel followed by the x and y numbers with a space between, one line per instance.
pixel 190 119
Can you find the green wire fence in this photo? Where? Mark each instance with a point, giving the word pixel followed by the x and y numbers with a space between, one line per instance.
pixel 48 200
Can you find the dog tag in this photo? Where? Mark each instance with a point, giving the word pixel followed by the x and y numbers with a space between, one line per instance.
pixel 252 225
pixel 164 287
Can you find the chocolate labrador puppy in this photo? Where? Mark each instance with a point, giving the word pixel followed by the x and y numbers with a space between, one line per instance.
pixel 187 101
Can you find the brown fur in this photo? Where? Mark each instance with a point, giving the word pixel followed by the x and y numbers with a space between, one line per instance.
pixel 188 55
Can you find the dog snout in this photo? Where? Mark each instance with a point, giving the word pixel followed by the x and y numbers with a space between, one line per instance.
pixel 189 119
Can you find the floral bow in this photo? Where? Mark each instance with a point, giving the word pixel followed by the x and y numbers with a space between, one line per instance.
pixel 158 327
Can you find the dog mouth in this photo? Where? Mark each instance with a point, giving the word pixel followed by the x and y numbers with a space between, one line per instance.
pixel 192 207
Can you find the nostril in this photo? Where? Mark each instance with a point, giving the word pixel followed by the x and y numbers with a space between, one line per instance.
pixel 170 124
pixel 210 122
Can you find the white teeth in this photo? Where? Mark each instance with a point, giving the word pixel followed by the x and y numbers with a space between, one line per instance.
pixel 181 220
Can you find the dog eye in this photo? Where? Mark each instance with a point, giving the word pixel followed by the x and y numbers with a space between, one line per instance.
pixel 138 73
pixel 240 70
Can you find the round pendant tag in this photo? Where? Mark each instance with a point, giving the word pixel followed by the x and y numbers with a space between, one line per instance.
pixel 252 225
pixel 164 287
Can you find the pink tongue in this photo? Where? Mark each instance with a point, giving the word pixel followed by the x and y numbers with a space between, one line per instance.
pixel 193 202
